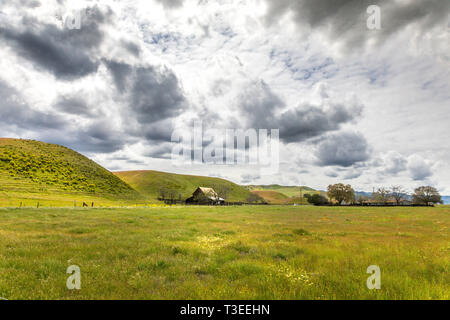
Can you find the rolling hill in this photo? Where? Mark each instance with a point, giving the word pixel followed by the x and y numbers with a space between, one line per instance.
pixel 289 191
pixel 274 193
pixel 272 197
pixel 33 170
pixel 150 183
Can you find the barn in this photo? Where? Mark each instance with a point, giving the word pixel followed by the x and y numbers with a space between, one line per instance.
pixel 205 196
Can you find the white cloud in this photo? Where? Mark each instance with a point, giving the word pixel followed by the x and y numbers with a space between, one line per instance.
pixel 238 64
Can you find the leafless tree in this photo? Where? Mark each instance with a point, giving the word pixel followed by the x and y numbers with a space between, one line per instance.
pixel 163 193
pixel 222 190
pixel 399 194
pixel 172 195
pixel 382 195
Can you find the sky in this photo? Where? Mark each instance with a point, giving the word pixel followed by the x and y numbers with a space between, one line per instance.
pixel 353 103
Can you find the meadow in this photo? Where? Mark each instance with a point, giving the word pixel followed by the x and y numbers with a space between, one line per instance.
pixel 248 252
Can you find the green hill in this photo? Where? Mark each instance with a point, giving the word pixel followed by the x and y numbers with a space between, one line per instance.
pixel 272 197
pixel 33 170
pixel 150 183
pixel 292 193
pixel 289 191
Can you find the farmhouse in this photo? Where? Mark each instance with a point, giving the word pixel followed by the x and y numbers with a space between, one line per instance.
pixel 204 195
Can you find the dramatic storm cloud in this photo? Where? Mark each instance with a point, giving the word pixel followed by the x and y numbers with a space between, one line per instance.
pixel 66 53
pixel 16 113
pixel 114 79
pixel 343 149
pixel 343 21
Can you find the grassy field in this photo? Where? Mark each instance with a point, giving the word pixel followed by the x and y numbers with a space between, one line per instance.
pixel 249 252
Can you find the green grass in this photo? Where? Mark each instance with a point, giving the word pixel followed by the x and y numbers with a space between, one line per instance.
pixel 249 252
pixel 149 183
pixel 31 171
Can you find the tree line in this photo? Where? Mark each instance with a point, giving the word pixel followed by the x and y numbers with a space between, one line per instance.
pixel 341 194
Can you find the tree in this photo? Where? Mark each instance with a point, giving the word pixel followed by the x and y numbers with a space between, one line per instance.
pixel 361 199
pixel 340 193
pixel 254 198
pixel 222 190
pixel 381 195
pixel 172 195
pixel 399 194
pixel 317 199
pixel 163 193
pixel 426 195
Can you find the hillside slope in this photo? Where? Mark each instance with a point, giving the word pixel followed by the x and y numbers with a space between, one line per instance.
pixel 150 183
pixel 272 197
pixel 38 170
pixel 292 193
pixel 289 191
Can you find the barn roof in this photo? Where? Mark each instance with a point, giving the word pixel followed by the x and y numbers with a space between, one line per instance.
pixel 207 190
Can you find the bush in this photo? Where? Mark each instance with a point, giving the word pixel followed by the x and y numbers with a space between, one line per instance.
pixel 318 200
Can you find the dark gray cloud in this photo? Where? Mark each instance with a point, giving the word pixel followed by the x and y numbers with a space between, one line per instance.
pixel 309 121
pixel 21 3
pixel 394 163
pixel 154 98
pixel 158 131
pixel 30 3
pixel 331 174
pixel 120 72
pixel 156 95
pixel 343 149
pixel 171 4
pixel 97 137
pixel 352 174
pixel 66 53
pixel 15 112
pixel 418 168
pixel 258 104
pixel 160 151
pixel 260 107
pixel 132 48
pixel 345 20
pixel 49 126
pixel 248 178
pixel 74 105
